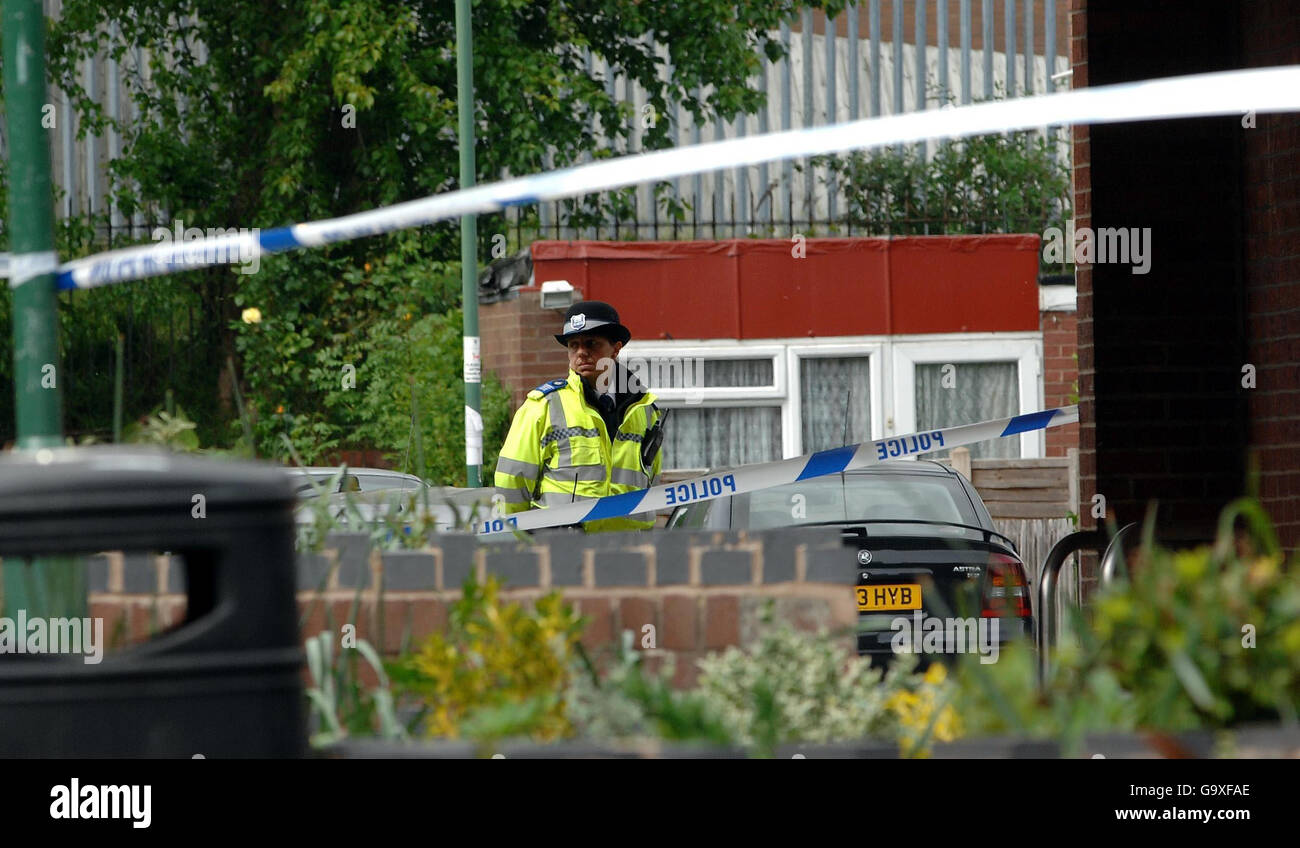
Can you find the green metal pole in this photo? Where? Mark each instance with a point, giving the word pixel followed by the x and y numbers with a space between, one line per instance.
pixel 469 246
pixel 31 223
pixel 41 587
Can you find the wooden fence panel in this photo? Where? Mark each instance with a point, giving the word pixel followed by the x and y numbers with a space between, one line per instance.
pixel 1024 488
pixel 1034 538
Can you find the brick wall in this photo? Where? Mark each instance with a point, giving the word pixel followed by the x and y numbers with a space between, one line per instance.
pixel 1271 36
pixel 518 344
pixel 1082 181
pixel 1164 415
pixel 1160 355
pixel 701 591
pixel 1060 374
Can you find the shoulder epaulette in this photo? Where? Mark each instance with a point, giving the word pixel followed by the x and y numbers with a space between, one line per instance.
pixel 546 388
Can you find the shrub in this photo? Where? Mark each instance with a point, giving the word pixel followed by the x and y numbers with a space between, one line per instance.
pixel 500 670
pixel 788 687
pixel 415 366
pixel 628 702
pixel 999 183
pixel 1204 638
pixel 792 687
pixel 340 704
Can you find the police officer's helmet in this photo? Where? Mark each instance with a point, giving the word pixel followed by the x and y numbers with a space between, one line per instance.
pixel 593 316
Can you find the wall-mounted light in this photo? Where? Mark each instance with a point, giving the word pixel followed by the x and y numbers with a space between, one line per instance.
pixel 558 294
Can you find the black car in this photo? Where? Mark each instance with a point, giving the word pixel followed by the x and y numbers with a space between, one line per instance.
pixel 932 574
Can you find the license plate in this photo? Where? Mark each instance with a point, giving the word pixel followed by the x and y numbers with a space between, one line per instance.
pixel 898 596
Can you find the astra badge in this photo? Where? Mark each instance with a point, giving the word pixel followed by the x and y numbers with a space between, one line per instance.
pixel 864 557
pixel 577 322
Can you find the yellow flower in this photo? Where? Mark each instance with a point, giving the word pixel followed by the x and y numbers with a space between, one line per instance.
pixel 252 315
pixel 916 711
pixel 366 266
pixel 1263 570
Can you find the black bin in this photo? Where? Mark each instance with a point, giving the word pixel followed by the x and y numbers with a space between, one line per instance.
pixel 226 681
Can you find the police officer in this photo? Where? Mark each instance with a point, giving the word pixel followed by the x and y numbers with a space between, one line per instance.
pixel 597 433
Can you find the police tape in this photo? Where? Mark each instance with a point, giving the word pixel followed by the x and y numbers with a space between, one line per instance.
pixel 1199 95
pixel 752 478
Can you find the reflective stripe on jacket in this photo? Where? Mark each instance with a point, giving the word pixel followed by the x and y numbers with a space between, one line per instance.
pixel 559 451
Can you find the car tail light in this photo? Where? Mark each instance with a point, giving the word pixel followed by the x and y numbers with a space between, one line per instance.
pixel 1006 591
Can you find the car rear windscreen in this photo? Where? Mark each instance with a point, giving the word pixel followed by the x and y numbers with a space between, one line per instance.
pixel 857 497
pixel 382 482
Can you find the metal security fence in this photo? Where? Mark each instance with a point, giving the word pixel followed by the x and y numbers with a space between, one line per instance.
pixel 880 57
pixel 80 157
pixel 877 58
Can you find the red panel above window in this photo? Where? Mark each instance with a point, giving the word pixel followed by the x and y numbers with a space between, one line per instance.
pixel 964 284
pixel 682 290
pixel 760 288
pixel 840 287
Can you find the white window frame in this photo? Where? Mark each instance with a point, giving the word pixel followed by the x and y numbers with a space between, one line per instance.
pixel 892 368
pixel 770 395
pixel 839 347
pixel 1025 349
pixel 774 395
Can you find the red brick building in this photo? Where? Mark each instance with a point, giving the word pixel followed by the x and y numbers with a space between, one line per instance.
pixel 1190 375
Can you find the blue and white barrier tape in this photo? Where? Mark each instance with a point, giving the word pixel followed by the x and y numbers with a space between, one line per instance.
pixel 751 478
pixel 1227 93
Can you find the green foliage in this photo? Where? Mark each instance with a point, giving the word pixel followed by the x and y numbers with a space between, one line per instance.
pixel 788 687
pixel 504 670
pixel 421 371
pixel 332 352
pixel 499 670
pixel 340 704
pixel 629 702
pixel 1208 637
pixel 791 687
pixel 374 384
pixel 1012 183
pixel 171 430
pixel 165 347
pixel 328 107
pixel 1204 638
pixel 1005 697
pixel 796 687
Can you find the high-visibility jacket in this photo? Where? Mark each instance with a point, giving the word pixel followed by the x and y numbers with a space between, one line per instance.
pixel 559 451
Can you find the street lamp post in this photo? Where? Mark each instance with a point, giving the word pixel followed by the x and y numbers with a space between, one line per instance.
pixel 469 247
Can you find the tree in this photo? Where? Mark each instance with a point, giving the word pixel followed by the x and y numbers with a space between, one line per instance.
pixel 260 114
